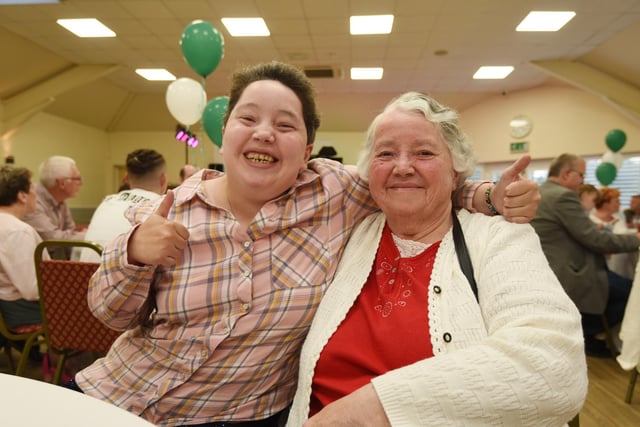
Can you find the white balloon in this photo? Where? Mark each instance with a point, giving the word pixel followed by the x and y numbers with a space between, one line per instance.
pixel 615 158
pixel 186 100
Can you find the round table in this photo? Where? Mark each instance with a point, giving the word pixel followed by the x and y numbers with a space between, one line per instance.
pixel 27 402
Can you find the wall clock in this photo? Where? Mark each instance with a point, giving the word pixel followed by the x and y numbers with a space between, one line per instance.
pixel 520 126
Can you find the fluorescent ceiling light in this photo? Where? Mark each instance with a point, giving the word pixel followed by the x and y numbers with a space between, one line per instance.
pixel 486 72
pixel 246 27
pixel 14 2
pixel 372 73
pixel 156 74
pixel 89 27
pixel 545 21
pixel 371 24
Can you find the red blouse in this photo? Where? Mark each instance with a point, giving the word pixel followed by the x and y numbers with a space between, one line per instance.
pixel 385 329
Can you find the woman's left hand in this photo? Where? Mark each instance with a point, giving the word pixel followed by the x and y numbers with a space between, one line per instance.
pixel 360 408
pixel 515 197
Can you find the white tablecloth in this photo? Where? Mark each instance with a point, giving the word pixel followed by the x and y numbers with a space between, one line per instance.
pixel 27 402
pixel 629 357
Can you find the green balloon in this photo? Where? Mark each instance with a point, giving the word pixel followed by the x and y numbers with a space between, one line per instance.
pixel 606 173
pixel 202 47
pixel 615 140
pixel 212 118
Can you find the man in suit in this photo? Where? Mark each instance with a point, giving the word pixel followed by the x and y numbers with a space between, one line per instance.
pixel 575 248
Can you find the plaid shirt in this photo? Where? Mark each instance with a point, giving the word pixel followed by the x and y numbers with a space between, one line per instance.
pixel 231 318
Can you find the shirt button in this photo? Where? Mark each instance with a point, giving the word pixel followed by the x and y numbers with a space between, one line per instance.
pixel 391 282
pixel 204 353
pixel 437 289
pixel 393 270
pixel 245 307
pixel 247 274
pixel 246 244
pixel 446 337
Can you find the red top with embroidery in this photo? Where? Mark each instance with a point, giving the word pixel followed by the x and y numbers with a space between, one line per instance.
pixel 386 328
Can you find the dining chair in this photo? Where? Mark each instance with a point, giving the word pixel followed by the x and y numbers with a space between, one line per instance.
pixel 21 338
pixel 69 326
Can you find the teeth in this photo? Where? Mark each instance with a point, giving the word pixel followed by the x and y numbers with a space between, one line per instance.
pixel 260 158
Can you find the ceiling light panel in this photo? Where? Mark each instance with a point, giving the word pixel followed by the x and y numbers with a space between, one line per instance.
pixel 545 21
pixel 366 73
pixel 89 27
pixel 155 74
pixel 371 24
pixel 493 72
pixel 246 27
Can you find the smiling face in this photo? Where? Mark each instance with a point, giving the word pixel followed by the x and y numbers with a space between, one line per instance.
pixel 411 174
pixel 265 141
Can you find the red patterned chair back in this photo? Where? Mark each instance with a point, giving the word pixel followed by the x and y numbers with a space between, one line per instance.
pixel 69 324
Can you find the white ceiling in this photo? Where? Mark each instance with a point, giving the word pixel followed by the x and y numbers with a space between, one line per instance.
pixel 92 81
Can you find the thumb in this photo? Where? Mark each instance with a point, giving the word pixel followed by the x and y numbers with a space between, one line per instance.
pixel 165 205
pixel 513 171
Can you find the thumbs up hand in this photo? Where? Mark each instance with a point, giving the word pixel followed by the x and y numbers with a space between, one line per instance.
pixel 158 241
pixel 515 197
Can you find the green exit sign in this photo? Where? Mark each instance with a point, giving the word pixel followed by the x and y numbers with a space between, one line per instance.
pixel 519 147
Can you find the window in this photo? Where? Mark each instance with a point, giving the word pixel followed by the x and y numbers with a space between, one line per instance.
pixel 627 179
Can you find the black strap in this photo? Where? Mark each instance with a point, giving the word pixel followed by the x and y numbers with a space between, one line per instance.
pixel 463 254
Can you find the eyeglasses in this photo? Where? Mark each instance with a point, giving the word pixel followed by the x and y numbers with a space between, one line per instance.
pixel 74 178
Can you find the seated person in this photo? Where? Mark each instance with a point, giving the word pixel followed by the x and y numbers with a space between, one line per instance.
pixel 147 179
pixel 607 216
pixel 186 171
pixel 400 339
pixel 588 196
pixel 60 180
pixel 18 283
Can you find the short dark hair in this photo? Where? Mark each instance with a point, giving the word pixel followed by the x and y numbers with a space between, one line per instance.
pixel 13 180
pixel 143 161
pixel 289 76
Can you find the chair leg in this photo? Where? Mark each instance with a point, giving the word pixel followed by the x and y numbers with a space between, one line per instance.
pixel 24 356
pixel 62 358
pixel 632 384
pixel 575 422
pixel 609 337
pixel 8 352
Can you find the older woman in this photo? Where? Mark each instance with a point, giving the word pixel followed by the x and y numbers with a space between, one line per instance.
pixel 18 285
pixel 400 339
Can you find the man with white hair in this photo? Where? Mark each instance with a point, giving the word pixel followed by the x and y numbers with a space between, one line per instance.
pixel 59 180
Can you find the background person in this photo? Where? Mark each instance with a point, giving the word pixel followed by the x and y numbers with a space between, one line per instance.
pixel 18 284
pixel 60 180
pixel 186 171
pixel 607 215
pixel 399 338
pixel 588 196
pixel 232 265
pixel 146 178
pixel 575 248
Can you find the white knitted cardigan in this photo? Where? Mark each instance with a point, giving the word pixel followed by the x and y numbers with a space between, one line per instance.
pixel 517 359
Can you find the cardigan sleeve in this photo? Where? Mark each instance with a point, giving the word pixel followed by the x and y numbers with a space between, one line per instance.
pixel 528 370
